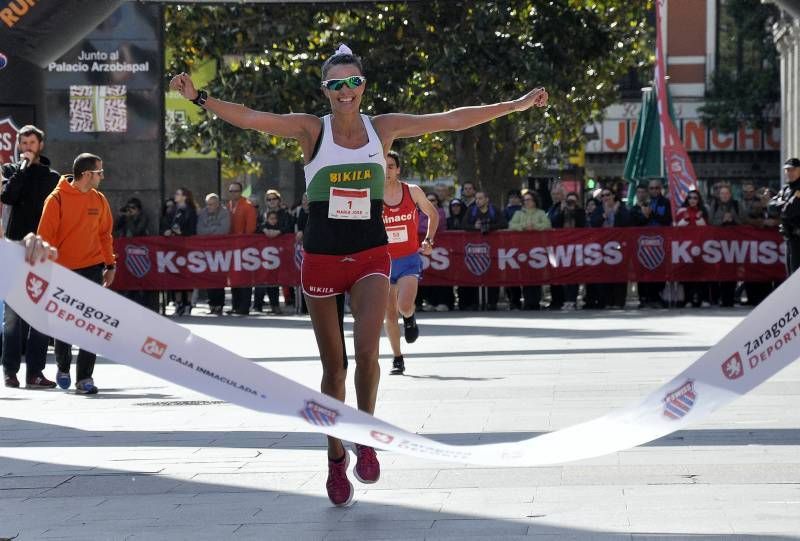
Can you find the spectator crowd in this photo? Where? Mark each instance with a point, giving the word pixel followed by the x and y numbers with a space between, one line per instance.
pixel 38 199
pixel 524 210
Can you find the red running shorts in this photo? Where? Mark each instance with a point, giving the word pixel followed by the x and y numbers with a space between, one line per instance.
pixel 325 275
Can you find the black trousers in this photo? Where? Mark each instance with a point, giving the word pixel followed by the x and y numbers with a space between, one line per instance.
pixel 86 359
pixel 148 299
pixel 240 299
pixel 272 293
pixel 758 291
pixel 467 298
pixel 650 292
pixel 695 293
pixel 727 293
pixel 557 296
pixel 532 295
pixel 216 297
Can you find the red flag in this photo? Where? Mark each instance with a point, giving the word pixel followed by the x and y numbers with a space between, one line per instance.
pixel 677 165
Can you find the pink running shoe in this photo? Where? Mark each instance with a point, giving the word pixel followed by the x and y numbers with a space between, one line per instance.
pixel 368 469
pixel 340 489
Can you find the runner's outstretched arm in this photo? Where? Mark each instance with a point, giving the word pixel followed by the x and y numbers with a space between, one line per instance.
pixel 302 127
pixel 396 125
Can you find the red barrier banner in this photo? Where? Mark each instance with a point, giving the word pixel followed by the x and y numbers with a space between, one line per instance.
pixel 204 262
pixel 563 256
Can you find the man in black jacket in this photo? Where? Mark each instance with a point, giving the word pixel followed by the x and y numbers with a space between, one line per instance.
pixel 26 185
pixel 787 202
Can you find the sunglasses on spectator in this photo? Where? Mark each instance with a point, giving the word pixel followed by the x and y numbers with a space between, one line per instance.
pixel 353 81
pixel 273 199
pixel 234 191
pixel 98 171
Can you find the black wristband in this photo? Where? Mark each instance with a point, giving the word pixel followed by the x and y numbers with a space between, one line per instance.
pixel 113 266
pixel 201 98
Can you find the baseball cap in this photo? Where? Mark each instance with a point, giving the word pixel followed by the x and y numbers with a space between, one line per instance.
pixel 791 162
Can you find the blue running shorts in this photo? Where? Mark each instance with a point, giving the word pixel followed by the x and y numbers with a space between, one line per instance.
pixel 410 265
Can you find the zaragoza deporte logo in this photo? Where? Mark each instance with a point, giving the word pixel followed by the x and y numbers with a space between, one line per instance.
pixel 35 286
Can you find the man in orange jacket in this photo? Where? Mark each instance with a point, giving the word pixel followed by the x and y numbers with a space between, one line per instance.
pixel 243 222
pixel 77 221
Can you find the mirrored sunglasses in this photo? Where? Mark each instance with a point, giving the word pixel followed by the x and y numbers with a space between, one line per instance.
pixel 352 82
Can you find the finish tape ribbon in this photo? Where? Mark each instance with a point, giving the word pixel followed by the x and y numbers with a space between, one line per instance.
pixel 66 306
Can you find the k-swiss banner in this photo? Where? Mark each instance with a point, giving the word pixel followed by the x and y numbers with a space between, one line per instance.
pixel 564 256
pixel 66 306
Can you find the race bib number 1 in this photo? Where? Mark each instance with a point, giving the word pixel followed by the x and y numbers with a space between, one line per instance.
pixel 349 204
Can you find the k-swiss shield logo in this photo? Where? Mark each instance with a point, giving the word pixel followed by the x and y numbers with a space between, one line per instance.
pixel 382 437
pixel 651 251
pixel 298 255
pixel 477 258
pixel 154 348
pixel 679 402
pixel 733 367
pixel 317 414
pixel 8 140
pixel 137 260
pixel 35 286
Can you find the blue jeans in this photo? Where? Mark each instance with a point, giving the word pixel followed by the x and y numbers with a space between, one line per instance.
pixel 16 333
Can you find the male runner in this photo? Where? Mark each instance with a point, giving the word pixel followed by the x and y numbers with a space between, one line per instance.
pixel 400 217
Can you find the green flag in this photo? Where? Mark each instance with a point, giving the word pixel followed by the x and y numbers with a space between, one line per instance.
pixel 644 160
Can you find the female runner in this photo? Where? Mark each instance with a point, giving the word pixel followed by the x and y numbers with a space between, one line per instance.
pixel 345 240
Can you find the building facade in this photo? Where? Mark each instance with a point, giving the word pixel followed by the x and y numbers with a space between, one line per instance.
pixel 691 31
pixel 787 38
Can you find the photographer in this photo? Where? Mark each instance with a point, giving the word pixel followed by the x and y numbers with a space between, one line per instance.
pixel 131 222
pixel 183 224
pixel 28 184
pixel 787 202
pixel 570 216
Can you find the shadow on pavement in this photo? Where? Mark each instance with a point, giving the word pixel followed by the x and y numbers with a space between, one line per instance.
pixel 113 504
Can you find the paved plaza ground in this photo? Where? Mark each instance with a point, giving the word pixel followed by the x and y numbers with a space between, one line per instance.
pixel 147 459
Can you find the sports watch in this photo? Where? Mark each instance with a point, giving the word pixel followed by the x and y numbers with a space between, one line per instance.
pixel 201 98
